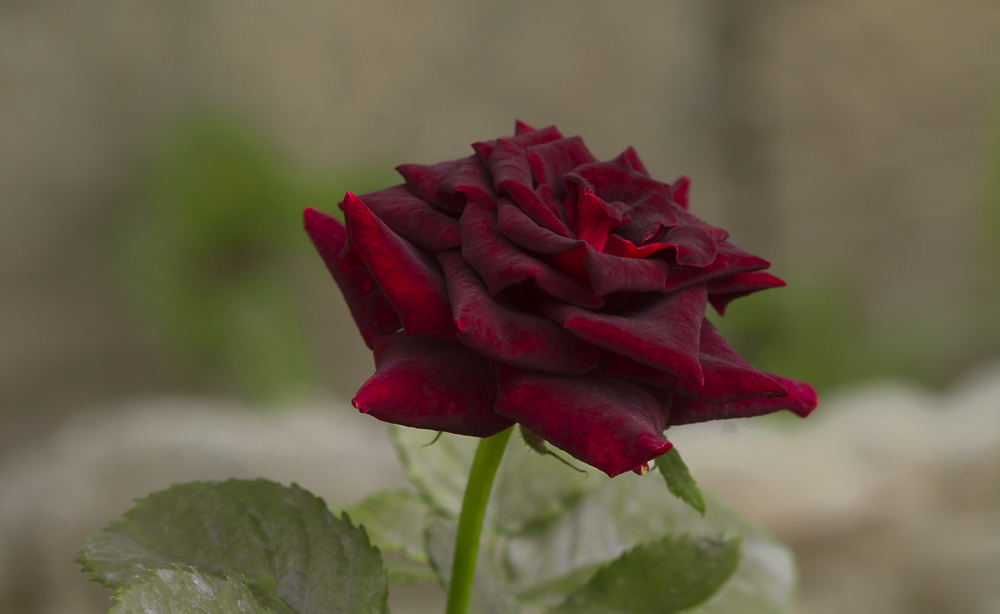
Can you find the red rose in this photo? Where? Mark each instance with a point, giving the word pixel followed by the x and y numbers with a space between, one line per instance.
pixel 531 283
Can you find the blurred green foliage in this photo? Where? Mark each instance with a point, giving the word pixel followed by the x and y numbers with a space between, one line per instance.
pixel 207 246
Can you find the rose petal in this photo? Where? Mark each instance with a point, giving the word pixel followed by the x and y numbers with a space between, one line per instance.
pixel 630 157
pixel 730 260
pixel 501 264
pixel 610 424
pixel 509 336
pixel 693 241
pixel 608 273
pixel 371 311
pixel 413 219
pixel 469 178
pixel 594 218
pixel 724 290
pixel 521 127
pixel 512 174
pixel 664 333
pixel 429 383
pixel 649 216
pixel 525 139
pixel 550 161
pixel 728 377
pixel 522 230
pixel 680 190
pixel 423 180
pixel 411 281
pixel 800 400
pixel 617 246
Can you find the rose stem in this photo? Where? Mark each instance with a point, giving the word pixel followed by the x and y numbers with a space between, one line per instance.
pixel 470 521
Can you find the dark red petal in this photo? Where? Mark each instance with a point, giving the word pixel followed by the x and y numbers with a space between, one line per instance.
pixel 501 264
pixel 616 180
pixel 724 290
pixel 371 311
pixel 413 219
pixel 680 190
pixel 630 157
pixel 728 377
pixel 617 246
pixel 550 161
pixel 729 261
pixel 800 400
pixel 693 240
pixel 608 273
pixel 429 383
pixel 664 334
pixel 512 174
pixel 522 230
pixel 521 127
pixel 411 281
pixel 469 178
pixel 594 218
pixel 525 139
pixel 509 336
pixel 610 424
pixel 423 180
pixel 649 216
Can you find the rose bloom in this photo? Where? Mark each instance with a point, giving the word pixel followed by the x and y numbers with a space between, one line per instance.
pixel 531 283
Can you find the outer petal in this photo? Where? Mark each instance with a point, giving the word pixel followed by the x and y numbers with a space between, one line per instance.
pixel 608 273
pixel 371 311
pixel 631 157
pixel 724 290
pixel 800 400
pixel 508 336
pixel 423 180
pixel 729 261
pixel 664 334
pixel 428 383
pixel 412 282
pixel 610 424
pixel 413 219
pixel 502 265
pixel 681 188
pixel 469 178
pixel 728 377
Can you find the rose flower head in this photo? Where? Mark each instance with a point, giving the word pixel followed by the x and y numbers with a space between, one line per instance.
pixel 531 283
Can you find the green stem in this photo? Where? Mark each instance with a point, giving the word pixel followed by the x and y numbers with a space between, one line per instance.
pixel 470 522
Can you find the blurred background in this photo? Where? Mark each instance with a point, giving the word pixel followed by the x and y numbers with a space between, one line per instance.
pixel 155 158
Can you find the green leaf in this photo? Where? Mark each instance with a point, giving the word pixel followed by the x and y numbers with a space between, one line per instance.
pixel 552 528
pixel 167 591
pixel 671 574
pixel 296 556
pixel 395 522
pixel 679 480
pixel 549 561
pixel 438 471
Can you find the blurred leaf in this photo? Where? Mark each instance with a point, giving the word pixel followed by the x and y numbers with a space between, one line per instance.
pixel 294 554
pixel 549 529
pixel 167 591
pixel 674 573
pixel 438 471
pixel 679 480
pixel 395 522
pixel 407 572
pixel 491 593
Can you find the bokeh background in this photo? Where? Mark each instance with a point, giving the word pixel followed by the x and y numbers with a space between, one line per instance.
pixel 155 158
